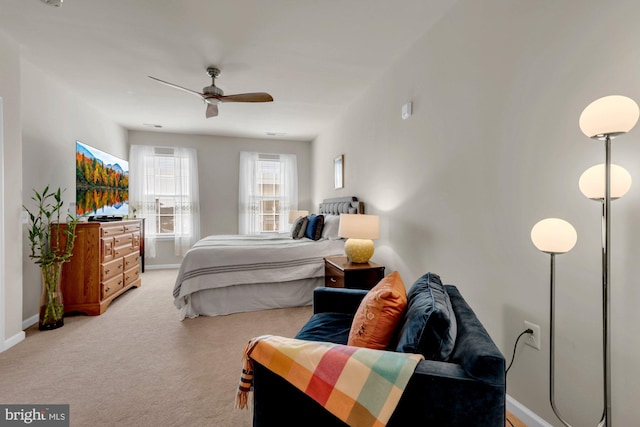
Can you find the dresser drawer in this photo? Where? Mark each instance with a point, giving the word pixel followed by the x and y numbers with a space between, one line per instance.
pixel 131 275
pixel 111 286
pixel 132 260
pixel 333 277
pixel 107 252
pixel 121 251
pixel 111 230
pixel 111 269
pixel 123 239
pixel 132 227
pixel 135 240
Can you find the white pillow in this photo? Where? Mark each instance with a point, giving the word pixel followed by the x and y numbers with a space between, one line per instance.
pixel 331 226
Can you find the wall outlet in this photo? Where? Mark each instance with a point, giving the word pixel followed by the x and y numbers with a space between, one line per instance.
pixel 532 339
pixel 25 217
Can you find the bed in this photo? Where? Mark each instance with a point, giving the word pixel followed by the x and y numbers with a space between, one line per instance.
pixel 227 274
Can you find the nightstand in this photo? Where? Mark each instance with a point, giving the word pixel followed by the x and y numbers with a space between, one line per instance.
pixel 340 273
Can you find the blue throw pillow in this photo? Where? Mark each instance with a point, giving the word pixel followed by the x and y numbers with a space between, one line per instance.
pixel 429 326
pixel 314 227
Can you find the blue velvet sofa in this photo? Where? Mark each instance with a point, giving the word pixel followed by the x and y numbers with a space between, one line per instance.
pixel 466 389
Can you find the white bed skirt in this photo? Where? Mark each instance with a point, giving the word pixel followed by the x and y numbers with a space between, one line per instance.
pixel 250 297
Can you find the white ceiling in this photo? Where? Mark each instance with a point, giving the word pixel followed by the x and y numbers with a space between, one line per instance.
pixel 313 56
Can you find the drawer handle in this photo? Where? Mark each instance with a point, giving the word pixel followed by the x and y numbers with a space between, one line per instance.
pixel 107 271
pixel 119 282
pixel 333 280
pixel 108 289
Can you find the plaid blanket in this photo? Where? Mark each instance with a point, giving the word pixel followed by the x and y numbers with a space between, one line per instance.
pixel 358 385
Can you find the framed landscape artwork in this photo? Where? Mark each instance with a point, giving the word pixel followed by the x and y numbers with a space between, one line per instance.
pixel 338 171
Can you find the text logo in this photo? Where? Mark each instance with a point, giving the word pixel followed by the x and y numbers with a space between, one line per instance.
pixel 34 415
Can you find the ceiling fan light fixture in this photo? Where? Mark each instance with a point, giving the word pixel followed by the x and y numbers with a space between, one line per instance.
pixel 55 3
pixel 212 100
pixel 213 95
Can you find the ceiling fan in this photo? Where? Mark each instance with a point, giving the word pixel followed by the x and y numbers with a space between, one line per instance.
pixel 212 95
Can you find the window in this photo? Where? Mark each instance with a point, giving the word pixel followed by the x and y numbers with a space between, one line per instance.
pixel 164 189
pixel 268 191
pixel 268 180
pixel 165 194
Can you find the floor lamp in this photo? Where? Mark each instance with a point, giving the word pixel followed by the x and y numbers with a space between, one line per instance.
pixel 605 119
pixel 553 236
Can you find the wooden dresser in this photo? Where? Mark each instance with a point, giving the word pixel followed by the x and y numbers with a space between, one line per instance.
pixel 105 263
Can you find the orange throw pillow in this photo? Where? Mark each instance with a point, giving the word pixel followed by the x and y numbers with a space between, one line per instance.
pixel 378 315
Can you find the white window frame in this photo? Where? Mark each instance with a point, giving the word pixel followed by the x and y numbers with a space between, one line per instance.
pixel 252 196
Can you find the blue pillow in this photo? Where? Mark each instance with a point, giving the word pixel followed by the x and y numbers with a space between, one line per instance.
pixel 430 326
pixel 314 227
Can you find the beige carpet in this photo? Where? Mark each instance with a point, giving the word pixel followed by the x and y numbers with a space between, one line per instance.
pixel 138 365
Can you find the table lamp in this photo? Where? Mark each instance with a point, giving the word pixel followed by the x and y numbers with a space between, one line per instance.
pixel 293 215
pixel 359 230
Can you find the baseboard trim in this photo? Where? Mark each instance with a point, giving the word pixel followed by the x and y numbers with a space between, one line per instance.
pixel 16 339
pixel 527 416
pixel 30 321
pixel 161 266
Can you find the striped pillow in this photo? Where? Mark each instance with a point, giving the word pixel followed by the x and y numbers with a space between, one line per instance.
pixel 299 227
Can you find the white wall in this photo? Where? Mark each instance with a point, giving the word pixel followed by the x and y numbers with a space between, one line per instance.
pixel 218 169
pixel 10 192
pixel 493 147
pixel 53 118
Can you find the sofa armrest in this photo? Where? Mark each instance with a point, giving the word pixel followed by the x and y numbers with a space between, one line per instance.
pixel 438 394
pixel 441 393
pixel 337 300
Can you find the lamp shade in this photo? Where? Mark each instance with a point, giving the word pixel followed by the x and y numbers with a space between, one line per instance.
pixel 592 182
pixel 554 236
pixel 293 215
pixel 609 116
pixel 358 226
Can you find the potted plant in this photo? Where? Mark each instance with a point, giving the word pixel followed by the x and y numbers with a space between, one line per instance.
pixel 52 244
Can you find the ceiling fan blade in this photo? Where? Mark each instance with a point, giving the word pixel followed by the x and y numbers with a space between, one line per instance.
pixel 247 97
pixel 178 87
pixel 212 110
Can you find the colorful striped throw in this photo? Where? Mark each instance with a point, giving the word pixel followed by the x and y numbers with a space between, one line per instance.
pixel 358 385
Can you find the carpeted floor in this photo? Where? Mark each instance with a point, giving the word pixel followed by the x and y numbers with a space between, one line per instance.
pixel 138 365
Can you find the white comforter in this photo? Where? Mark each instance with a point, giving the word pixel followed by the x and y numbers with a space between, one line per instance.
pixel 230 260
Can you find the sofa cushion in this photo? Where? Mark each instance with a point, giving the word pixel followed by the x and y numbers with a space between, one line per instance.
pixel 329 327
pixel 376 320
pixel 474 349
pixel 429 326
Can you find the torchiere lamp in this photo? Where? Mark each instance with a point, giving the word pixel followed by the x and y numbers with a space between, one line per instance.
pixel 553 236
pixel 605 119
pixel 360 230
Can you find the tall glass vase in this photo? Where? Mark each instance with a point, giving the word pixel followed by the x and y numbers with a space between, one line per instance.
pixel 51 306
